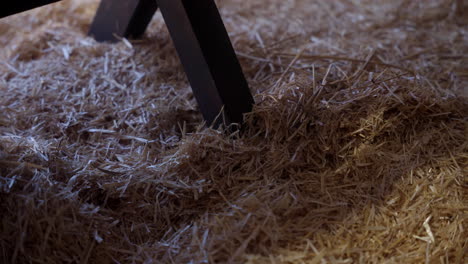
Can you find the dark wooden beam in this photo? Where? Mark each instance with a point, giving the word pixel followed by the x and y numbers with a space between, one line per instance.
pixel 11 7
pixel 122 18
pixel 208 58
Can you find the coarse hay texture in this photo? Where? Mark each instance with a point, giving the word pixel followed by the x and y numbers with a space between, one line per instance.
pixel 356 151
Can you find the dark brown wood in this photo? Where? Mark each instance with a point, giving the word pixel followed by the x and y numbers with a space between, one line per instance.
pixel 11 7
pixel 122 18
pixel 209 60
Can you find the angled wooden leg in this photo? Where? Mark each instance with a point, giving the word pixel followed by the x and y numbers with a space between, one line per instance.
pixel 208 58
pixel 122 18
pixel 202 43
pixel 17 6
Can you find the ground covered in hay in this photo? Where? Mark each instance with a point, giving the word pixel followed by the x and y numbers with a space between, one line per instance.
pixel 356 151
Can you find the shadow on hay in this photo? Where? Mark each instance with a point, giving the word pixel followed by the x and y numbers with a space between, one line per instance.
pixel 302 166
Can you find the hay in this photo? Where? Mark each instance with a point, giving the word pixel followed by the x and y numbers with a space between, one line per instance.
pixel 356 151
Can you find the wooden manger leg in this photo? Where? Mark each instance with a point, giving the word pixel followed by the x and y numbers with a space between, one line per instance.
pixel 122 18
pixel 209 60
pixel 202 43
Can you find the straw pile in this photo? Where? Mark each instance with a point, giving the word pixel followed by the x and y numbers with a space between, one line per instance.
pixel 356 151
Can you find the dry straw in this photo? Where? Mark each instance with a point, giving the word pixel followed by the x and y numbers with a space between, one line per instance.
pixel 356 151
